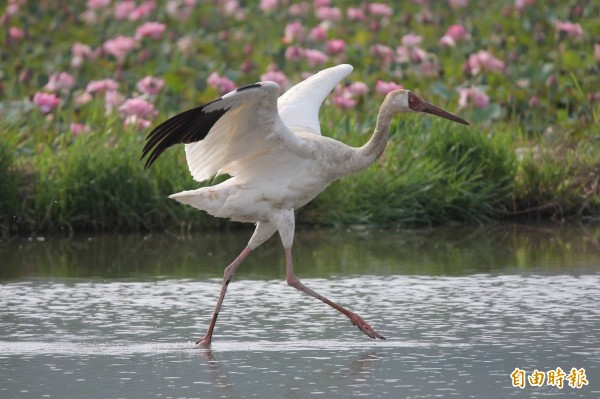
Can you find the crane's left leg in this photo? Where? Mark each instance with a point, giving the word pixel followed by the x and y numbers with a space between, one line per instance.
pixel 285 224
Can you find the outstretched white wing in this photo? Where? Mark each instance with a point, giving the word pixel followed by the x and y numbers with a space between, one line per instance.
pixel 299 106
pixel 223 135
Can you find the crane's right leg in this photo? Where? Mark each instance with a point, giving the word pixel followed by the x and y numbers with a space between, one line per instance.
pixel 261 234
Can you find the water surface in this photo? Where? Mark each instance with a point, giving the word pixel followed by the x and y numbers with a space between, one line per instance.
pixel 110 317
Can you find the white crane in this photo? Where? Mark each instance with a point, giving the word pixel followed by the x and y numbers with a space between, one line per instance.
pixel 277 159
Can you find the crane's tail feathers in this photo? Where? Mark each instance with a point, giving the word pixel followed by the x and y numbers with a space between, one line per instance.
pixel 206 199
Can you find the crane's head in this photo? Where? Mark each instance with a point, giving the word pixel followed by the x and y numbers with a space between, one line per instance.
pixel 407 101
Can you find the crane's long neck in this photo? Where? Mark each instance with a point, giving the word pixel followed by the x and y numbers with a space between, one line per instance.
pixel 366 155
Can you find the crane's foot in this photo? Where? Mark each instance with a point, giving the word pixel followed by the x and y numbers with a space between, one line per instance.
pixel 203 343
pixel 364 327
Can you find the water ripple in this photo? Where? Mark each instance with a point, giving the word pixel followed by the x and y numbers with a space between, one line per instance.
pixel 475 309
pixel 446 336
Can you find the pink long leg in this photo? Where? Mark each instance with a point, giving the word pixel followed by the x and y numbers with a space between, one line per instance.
pixel 293 281
pixel 227 276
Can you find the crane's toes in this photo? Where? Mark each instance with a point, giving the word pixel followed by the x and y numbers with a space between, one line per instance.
pixel 365 327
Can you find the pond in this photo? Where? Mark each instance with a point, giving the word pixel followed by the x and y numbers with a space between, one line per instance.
pixel 461 308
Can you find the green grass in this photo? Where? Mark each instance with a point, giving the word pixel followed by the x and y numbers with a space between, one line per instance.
pixel 516 160
pixel 10 181
pixel 433 172
pixel 96 183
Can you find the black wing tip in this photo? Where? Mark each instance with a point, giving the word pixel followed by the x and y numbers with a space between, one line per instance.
pixel 149 162
pixel 186 127
pixel 146 152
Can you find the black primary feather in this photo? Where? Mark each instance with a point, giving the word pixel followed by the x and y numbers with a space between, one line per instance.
pixel 252 86
pixel 187 127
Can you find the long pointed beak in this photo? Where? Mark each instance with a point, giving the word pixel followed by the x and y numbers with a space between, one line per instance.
pixel 432 109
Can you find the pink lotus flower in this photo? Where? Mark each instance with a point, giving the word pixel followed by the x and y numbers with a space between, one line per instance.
pixel 143 10
pixel 78 128
pixel 380 9
pixel 185 44
pixel 454 34
pixel 358 88
pixel 16 33
pixel 221 83
pixel 418 55
pixel 447 41
pixel 383 52
pixel 457 32
pixel 315 57
pixel 90 17
pixel 275 75
pixel 46 102
pixel 458 3
pixel 153 30
pixel 386 87
pixel 61 81
pixel 534 102
pixel 335 46
pixel 305 75
pixel 97 4
pixel 318 33
pixel 81 50
pixel 299 9
pixel 411 40
pixel 150 85
pixel 342 101
pixel 247 66
pixel 328 13
pixel 82 98
pixel 402 55
pixel 293 53
pixel 597 51
pixel 79 53
pixel 232 8
pixel 342 98
pixel 112 99
pixel 101 85
pixel 321 3
pixel 521 4
pixel 13 8
pixel 137 107
pixel 430 67
pixel 180 10
pixel 128 9
pixel 137 122
pixel 293 31
pixel 414 54
pixel 124 8
pixel 571 29
pixel 483 61
pixel 355 14
pixel 119 47
pixel 472 96
pixel 269 5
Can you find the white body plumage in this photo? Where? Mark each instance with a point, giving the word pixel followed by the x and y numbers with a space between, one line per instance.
pixel 277 157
